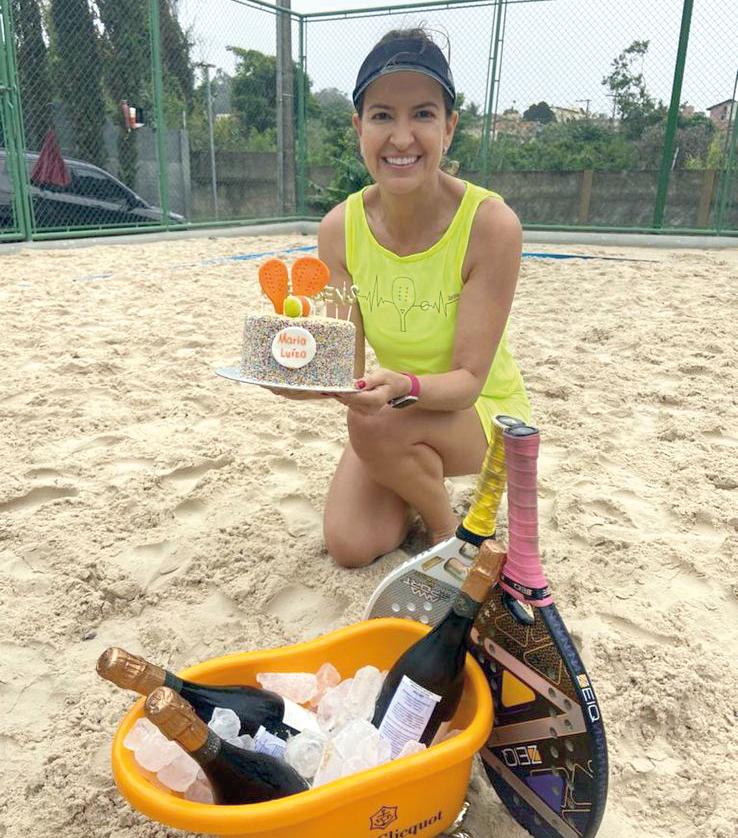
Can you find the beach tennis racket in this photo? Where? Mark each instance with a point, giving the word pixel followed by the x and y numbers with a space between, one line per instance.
pixel 547 755
pixel 274 281
pixel 310 275
pixel 423 587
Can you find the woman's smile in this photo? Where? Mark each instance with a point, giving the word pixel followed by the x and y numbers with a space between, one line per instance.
pixel 401 162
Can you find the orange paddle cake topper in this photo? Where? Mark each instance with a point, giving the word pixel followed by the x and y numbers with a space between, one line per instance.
pixel 309 277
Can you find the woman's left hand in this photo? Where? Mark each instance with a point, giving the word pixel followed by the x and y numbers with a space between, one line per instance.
pixel 375 390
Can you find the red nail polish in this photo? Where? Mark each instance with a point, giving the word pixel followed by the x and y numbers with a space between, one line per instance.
pixel 361 384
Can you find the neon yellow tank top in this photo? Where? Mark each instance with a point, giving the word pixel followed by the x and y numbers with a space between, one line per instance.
pixel 408 304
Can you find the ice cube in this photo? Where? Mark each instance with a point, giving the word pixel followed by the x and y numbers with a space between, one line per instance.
pixel 225 723
pixel 349 738
pixel 327 677
pixel 330 768
pixel 353 765
pixel 362 697
pixel 333 710
pixel 299 687
pixel 180 774
pixel 411 747
pixel 244 742
pixel 139 733
pixel 156 752
pixel 199 792
pixel 304 752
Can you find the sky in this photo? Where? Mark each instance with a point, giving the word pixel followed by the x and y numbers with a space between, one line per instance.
pixel 556 51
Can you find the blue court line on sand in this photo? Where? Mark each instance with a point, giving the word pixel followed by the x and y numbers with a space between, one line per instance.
pixel 246 257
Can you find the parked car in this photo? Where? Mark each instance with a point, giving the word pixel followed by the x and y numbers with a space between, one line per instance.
pixel 93 197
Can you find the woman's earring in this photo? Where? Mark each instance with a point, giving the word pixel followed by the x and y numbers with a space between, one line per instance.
pixel 445 149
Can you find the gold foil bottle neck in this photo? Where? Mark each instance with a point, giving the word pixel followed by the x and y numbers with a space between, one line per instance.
pixel 175 718
pixel 129 672
pixel 485 572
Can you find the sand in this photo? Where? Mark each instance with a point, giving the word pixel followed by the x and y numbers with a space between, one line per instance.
pixel 148 504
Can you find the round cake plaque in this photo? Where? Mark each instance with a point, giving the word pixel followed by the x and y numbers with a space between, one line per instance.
pixel 293 347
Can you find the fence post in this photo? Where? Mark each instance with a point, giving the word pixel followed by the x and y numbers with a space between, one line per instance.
pixel 302 174
pixel 492 93
pixel 160 126
pixel 286 169
pixel 726 180
pixel 11 114
pixel 671 123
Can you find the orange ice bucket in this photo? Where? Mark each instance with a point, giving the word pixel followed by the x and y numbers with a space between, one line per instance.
pixel 419 796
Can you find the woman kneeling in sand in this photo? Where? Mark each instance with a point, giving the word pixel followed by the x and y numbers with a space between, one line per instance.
pixel 434 263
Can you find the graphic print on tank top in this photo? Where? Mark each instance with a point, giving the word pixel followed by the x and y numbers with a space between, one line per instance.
pixel 401 294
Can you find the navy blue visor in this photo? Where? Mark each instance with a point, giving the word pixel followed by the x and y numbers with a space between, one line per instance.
pixel 404 54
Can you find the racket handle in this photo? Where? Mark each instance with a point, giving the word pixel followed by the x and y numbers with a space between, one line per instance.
pixel 523 573
pixel 480 521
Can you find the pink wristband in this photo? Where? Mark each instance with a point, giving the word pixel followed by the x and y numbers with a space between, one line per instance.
pixel 414 384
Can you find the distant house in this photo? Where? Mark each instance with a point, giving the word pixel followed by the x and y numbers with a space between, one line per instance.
pixel 568 114
pixel 720 113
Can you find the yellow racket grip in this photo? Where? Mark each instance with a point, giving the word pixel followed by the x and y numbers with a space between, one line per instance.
pixel 482 516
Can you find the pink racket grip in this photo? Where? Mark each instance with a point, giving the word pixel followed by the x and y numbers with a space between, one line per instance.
pixel 523 575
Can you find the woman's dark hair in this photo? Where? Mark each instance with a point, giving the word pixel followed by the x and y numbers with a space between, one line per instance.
pixel 416 33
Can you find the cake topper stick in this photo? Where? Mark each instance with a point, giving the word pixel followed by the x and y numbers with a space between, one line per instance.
pixel 273 279
pixel 309 276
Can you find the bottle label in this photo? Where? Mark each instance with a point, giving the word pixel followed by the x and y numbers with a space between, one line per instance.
pixel 408 714
pixel 268 743
pixel 298 718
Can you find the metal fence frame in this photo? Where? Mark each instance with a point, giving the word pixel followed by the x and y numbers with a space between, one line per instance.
pixel 11 119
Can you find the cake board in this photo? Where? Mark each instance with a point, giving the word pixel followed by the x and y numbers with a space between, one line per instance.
pixel 234 374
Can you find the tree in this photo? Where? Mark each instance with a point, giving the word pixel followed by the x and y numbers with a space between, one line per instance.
pixel 179 77
pixel 540 113
pixel 79 75
pixel 467 140
pixel 636 108
pixel 33 71
pixel 254 90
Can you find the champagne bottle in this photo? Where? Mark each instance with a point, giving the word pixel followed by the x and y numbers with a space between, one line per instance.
pixel 255 708
pixel 423 689
pixel 236 775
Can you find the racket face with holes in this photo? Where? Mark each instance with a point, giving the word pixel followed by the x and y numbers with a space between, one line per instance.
pixel 422 587
pixel 547 756
pixel 309 276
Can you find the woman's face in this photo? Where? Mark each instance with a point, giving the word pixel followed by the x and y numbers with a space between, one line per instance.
pixel 403 130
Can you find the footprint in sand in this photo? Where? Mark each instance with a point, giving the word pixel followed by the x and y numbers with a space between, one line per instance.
pixel 298 605
pixel 37 497
pixel 720 438
pixel 43 474
pixel 637 632
pixel 300 516
pixel 187 477
pixel 147 563
pixel 127 465
pixel 191 511
pixel 105 441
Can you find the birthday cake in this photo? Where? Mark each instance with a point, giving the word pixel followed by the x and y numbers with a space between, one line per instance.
pixel 292 346
pixel 300 351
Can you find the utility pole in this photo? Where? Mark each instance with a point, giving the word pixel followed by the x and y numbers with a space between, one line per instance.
pixel 286 164
pixel 206 68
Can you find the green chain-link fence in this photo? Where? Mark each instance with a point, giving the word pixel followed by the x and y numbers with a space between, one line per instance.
pixel 118 115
